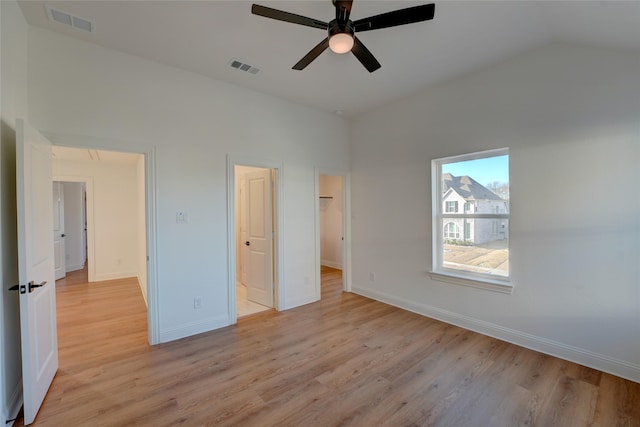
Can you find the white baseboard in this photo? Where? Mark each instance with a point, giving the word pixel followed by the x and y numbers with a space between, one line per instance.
pixel 14 404
pixel 332 264
pixel 74 267
pixel 114 276
pixel 581 356
pixel 297 302
pixel 143 291
pixel 193 328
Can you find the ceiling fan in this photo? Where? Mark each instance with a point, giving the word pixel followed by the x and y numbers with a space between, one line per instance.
pixel 342 31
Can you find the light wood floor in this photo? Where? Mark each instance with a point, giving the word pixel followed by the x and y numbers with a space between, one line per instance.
pixel 346 360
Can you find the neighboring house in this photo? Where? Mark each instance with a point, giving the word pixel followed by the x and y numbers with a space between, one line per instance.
pixel 464 195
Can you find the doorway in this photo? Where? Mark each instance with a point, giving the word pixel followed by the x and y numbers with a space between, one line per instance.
pixel 109 215
pixel 234 242
pixel 35 174
pixel 255 212
pixel 332 227
pixel 69 227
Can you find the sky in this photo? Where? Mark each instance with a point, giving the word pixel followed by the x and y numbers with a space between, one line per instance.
pixel 485 171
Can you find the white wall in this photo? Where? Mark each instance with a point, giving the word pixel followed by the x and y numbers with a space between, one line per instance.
pixel 13 94
pixel 115 215
pixel 73 225
pixel 571 117
pixel 86 93
pixel 331 211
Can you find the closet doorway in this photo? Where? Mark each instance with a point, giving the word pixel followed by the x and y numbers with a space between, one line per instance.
pixel 332 227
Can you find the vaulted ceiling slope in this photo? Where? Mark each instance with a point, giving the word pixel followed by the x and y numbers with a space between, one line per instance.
pixel 206 36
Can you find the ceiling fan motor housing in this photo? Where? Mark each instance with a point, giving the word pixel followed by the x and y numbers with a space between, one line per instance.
pixel 336 27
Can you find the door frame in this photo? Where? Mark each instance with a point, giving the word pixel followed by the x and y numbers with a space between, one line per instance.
pixel 149 153
pixel 278 253
pixel 346 227
pixel 88 182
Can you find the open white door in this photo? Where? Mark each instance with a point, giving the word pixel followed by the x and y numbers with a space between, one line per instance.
pixel 259 254
pixel 59 245
pixel 35 264
pixel 242 213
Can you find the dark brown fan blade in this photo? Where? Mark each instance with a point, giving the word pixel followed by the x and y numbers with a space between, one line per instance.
pixel 280 15
pixel 364 56
pixel 313 54
pixel 396 17
pixel 343 9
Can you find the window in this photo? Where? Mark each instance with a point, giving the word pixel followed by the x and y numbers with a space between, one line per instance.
pixel 479 256
pixel 451 231
pixel 451 206
pixel 467 229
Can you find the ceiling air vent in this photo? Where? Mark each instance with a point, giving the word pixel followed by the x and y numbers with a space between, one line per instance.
pixel 243 67
pixel 70 20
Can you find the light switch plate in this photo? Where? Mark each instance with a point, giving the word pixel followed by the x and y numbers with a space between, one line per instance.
pixel 182 217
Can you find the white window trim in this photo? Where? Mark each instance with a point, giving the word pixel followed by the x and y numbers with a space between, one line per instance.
pixel 479 283
pixel 438 271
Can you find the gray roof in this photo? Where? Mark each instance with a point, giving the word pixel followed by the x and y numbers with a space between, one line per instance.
pixel 468 188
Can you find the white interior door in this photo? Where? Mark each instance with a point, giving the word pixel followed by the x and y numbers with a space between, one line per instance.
pixel 59 246
pixel 35 264
pixel 243 231
pixel 259 250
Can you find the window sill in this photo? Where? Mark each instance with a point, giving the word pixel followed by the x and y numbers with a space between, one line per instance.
pixel 473 282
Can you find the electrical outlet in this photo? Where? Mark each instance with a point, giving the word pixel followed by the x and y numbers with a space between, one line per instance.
pixel 372 276
pixel 197 303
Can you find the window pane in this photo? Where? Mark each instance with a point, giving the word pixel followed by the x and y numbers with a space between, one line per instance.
pixel 477 182
pixel 483 248
pixel 473 185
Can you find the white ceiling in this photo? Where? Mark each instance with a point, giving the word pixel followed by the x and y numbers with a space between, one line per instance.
pixel 204 36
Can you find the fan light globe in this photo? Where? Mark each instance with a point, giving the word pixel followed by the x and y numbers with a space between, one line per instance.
pixel 341 43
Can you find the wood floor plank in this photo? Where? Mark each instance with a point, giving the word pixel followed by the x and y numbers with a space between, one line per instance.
pixel 345 360
pixel 518 408
pixel 572 402
pixel 295 400
pixel 618 399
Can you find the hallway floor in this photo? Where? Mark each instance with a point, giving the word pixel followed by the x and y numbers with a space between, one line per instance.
pixel 244 307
